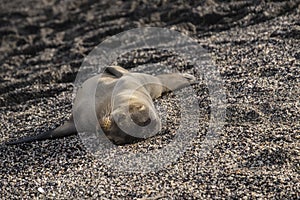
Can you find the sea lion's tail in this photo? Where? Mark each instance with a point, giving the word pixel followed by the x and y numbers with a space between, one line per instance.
pixel 66 129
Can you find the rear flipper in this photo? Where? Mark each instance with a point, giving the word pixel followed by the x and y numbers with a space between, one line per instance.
pixel 66 129
pixel 176 81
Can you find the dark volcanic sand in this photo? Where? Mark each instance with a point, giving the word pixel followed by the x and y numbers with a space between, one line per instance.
pixel 255 46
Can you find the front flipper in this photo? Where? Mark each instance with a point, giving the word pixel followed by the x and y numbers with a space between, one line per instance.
pixel 176 81
pixel 116 71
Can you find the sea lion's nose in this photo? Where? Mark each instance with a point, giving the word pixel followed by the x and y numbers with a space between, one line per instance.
pixel 140 119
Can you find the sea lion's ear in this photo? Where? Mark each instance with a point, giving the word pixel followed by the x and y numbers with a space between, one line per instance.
pixel 117 71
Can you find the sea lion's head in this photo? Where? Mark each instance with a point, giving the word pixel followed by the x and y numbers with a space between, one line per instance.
pixel 131 122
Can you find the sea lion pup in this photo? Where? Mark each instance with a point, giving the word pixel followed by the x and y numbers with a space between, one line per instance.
pixel 123 105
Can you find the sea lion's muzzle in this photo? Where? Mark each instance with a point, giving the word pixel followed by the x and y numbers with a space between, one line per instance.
pixel 140 122
pixel 140 115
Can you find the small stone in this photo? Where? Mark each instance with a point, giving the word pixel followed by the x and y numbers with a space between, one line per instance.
pixel 41 190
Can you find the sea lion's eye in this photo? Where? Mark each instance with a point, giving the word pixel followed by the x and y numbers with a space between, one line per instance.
pixel 136 108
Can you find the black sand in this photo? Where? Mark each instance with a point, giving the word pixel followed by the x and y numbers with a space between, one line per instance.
pixel 255 46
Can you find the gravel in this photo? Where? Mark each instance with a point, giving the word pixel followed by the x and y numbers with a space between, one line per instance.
pixel 255 47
